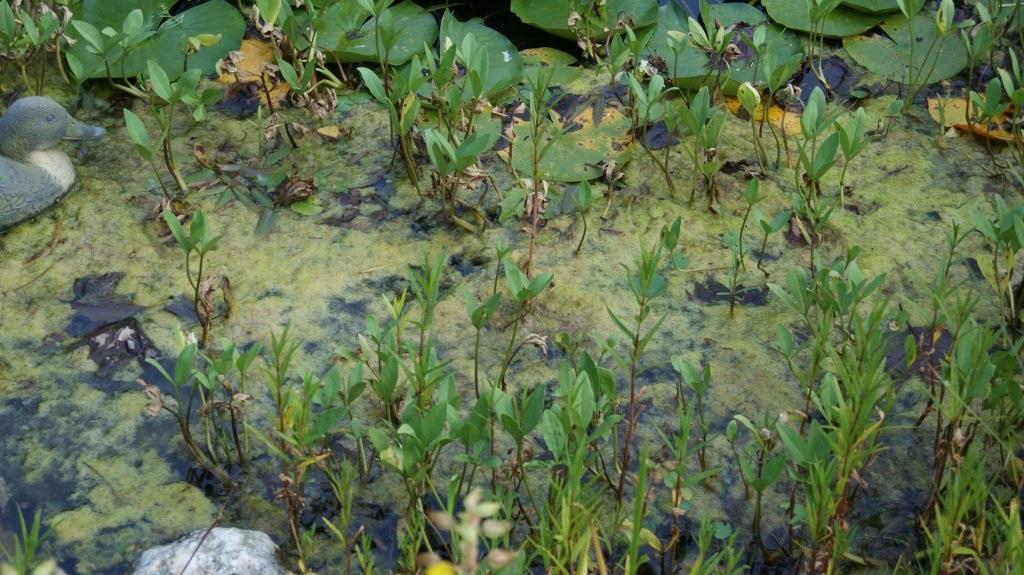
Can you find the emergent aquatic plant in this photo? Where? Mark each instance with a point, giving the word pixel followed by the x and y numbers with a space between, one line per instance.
pixel 917 74
pixel 645 284
pixel 705 122
pixel 164 97
pixel 24 38
pixel 198 243
pixel 22 558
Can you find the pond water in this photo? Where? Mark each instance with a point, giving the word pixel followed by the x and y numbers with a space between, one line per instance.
pixel 76 441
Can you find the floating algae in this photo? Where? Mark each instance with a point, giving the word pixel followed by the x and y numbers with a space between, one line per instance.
pixel 76 442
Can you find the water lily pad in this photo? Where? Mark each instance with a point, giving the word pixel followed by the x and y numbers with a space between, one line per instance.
pixel 583 147
pixel 873 6
pixel 692 68
pixel 889 56
pixel 553 15
pixel 255 54
pixel 168 43
pixel 561 62
pixel 348 31
pixel 840 23
pixel 952 113
pixel 504 64
pixel 779 117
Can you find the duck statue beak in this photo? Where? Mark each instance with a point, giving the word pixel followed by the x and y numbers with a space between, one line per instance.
pixel 79 131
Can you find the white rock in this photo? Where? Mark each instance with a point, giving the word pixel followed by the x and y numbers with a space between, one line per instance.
pixel 225 551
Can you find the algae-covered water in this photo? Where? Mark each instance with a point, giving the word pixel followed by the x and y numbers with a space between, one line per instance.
pixel 76 441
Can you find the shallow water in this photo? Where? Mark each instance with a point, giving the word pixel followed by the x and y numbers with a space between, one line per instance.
pixel 114 481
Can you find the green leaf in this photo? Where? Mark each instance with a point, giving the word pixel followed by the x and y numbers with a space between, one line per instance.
pixel 516 281
pixel 373 83
pixel 183 366
pixel 873 6
pixel 159 81
pixel 504 64
pixel 689 68
pixel 795 445
pixel 269 10
pixel 888 55
pixel 307 207
pixel 473 146
pixel 177 231
pixel 553 15
pixel 137 131
pixel 168 42
pixel 348 31
pixel 839 23
pixel 554 434
pixel 7 24
pixel 538 284
pixel 291 76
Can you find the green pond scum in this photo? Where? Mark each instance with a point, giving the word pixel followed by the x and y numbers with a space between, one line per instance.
pixel 706 289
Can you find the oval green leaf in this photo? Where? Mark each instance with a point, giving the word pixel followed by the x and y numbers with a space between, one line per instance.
pixel 504 64
pixel 553 15
pixel 691 68
pixel 873 6
pixel 167 45
pixel 578 154
pixel 889 56
pixel 839 23
pixel 348 31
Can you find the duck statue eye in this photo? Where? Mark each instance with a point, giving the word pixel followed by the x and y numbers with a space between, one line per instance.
pixel 51 117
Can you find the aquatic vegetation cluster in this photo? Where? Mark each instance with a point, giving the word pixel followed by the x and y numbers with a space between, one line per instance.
pixel 501 465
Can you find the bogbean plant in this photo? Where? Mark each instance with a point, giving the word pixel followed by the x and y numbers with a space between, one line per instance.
pixel 777 74
pixel 717 41
pixel 397 92
pixel 1004 234
pixel 165 97
pixel 916 76
pixel 975 399
pixel 218 381
pixel 820 452
pixel 750 99
pixel 649 108
pixel 818 11
pixel 1012 81
pixel 22 558
pixel 817 156
pixel 705 122
pixel 197 244
pixel 25 38
pixel 543 134
pixel 458 141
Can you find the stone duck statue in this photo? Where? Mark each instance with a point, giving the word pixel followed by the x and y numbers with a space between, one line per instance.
pixel 33 173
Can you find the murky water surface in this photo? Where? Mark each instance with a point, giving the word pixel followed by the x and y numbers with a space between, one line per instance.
pixel 76 442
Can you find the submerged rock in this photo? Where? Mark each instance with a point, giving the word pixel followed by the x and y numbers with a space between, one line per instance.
pixel 223 551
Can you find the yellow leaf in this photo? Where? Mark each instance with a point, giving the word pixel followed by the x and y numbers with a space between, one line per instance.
pixel 778 117
pixel 952 112
pixel 441 568
pixel 256 53
pixel 329 132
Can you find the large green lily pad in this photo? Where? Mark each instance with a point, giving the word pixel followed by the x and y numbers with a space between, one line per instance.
pixel 168 43
pixel 578 154
pixel 890 56
pixel 553 15
pixel 692 67
pixel 504 64
pixel 840 23
pixel 348 31
pixel 561 64
pixel 873 6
